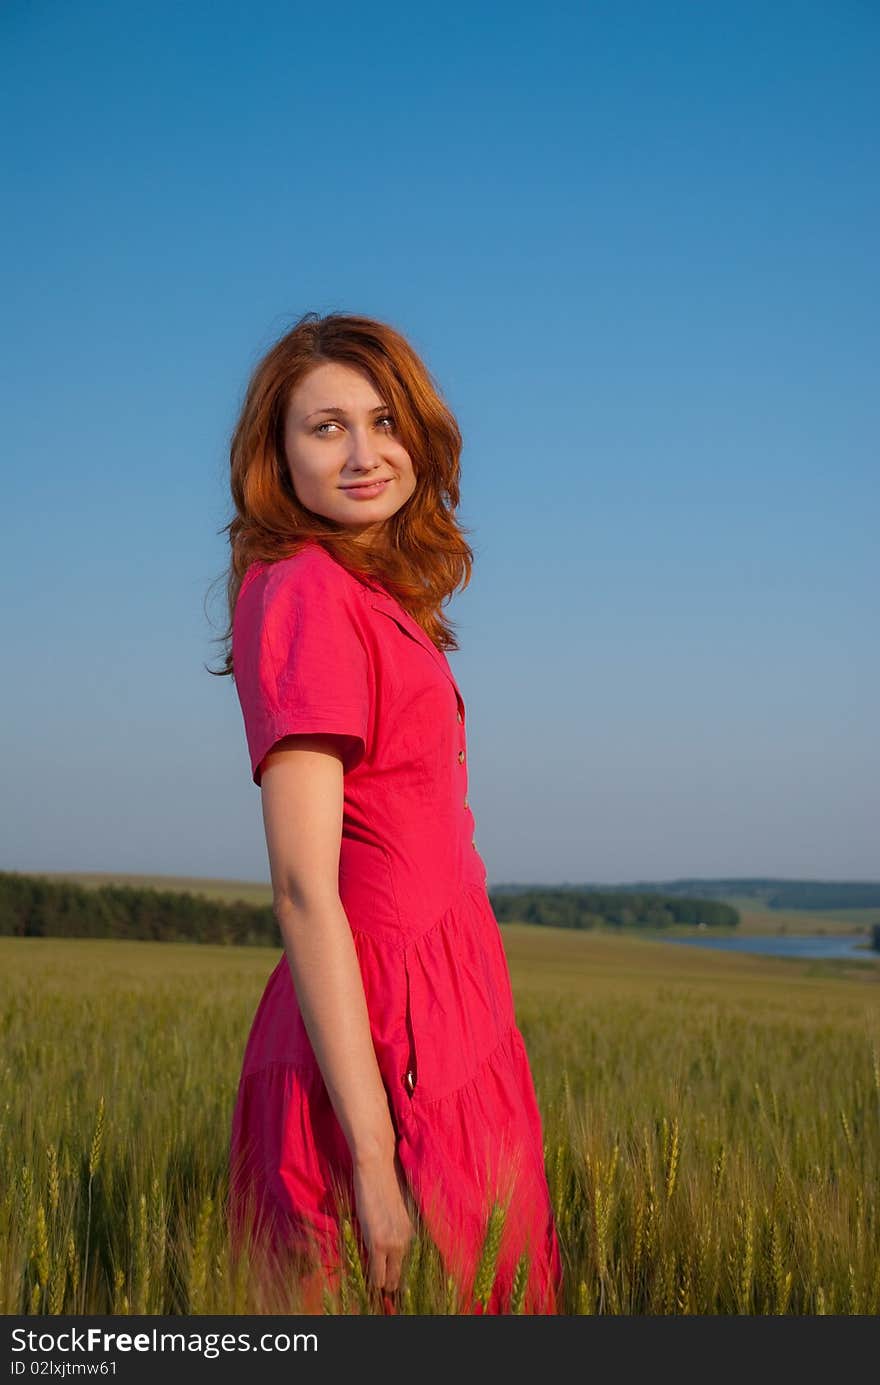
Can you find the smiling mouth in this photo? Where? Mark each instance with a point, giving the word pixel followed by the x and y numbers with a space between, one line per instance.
pixel 367 485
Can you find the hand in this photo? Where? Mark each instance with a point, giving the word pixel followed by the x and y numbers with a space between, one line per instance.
pixel 387 1227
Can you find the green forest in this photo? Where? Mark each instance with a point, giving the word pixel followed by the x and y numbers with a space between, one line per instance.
pixel 769 892
pixel 584 908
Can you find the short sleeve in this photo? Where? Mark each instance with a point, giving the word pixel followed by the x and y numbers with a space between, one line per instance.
pixel 300 661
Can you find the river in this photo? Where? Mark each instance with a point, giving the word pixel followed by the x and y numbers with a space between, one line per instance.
pixel 789 945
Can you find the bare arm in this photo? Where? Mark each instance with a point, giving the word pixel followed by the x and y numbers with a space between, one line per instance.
pixel 302 795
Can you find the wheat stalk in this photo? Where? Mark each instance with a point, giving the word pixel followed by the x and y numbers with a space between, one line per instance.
pixel 57 1288
pixel 54 1178
pixel 72 1264
pixel 198 1275
pixel 584 1299
pixel 142 1259
pixel 671 1167
pixel 450 1302
pixel 158 1235
pixel 40 1254
pixel 486 1268
pixel 94 1165
pixel 520 1284
pixel 781 1278
pixel 355 1267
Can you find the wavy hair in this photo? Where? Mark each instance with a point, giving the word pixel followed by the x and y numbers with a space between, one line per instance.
pixel 422 556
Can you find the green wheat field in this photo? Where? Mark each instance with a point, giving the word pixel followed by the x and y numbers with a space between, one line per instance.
pixel 711 1120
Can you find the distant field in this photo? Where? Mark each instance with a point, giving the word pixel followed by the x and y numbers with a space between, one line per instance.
pixel 712 1126
pixel 225 890
pixel 754 918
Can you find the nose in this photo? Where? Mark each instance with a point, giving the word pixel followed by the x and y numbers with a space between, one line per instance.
pixel 363 449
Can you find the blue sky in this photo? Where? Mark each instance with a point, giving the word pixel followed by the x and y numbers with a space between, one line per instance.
pixel 636 245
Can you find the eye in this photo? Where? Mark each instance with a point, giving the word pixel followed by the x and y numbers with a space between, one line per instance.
pixel 328 423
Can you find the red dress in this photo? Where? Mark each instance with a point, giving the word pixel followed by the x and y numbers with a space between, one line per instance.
pixel 317 649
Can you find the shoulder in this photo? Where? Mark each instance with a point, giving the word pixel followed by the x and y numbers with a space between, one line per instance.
pixel 305 603
pixel 300 656
pixel 309 578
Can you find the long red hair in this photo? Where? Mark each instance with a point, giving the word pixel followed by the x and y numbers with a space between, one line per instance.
pixel 424 557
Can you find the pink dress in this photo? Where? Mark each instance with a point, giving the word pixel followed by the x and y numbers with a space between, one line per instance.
pixel 317 649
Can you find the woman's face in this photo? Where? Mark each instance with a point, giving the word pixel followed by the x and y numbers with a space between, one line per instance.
pixel 343 452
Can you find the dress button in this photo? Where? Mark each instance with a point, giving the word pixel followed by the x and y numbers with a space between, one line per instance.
pixel 461 757
pixel 465 803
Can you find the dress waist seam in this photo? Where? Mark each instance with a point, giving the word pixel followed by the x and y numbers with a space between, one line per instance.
pixel 403 937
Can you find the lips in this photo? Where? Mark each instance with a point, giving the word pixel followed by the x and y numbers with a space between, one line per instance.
pixel 365 485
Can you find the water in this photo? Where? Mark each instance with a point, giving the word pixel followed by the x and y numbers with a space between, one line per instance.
pixel 789 945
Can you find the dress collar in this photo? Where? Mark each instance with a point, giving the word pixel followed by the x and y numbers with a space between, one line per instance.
pixel 383 601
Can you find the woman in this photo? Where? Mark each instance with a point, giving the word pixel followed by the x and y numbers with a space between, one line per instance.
pixel 384 1064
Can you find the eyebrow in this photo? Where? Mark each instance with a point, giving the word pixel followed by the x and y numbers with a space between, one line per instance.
pixel 338 409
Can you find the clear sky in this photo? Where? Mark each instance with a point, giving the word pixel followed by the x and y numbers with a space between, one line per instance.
pixel 637 246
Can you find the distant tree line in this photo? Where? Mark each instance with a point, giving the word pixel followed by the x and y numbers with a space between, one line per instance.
pixel 825 894
pixel 764 890
pixel 780 894
pixel 575 908
pixel 34 907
